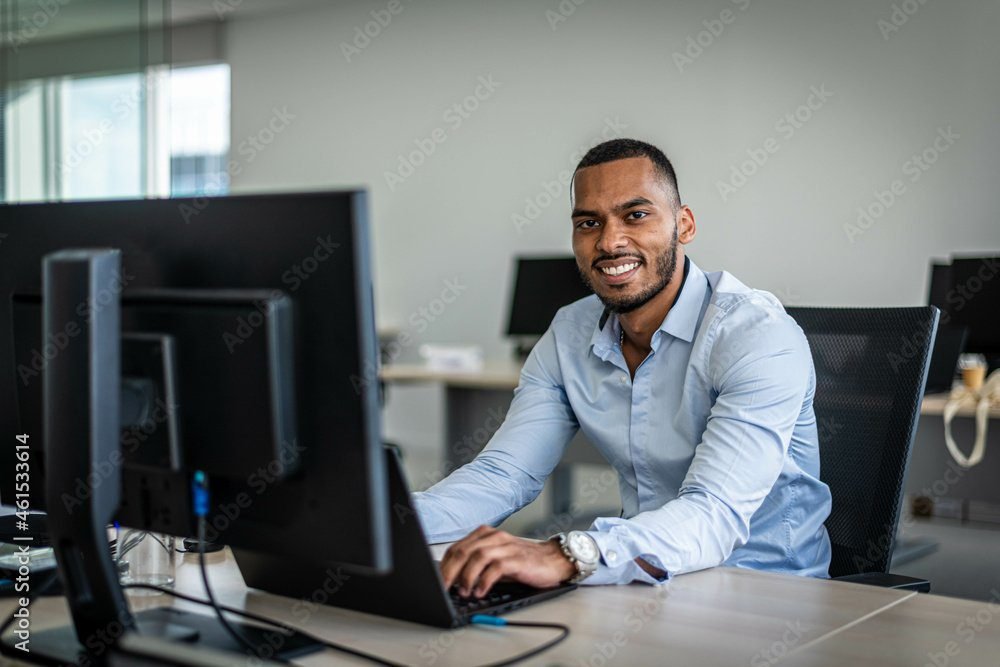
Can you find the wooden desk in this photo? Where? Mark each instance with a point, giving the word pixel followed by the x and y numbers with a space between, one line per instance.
pixel 494 375
pixel 933 405
pixel 715 617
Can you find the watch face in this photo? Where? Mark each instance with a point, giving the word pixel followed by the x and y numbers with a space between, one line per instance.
pixel 583 547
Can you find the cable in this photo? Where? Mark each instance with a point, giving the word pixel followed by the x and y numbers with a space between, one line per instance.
pixel 278 624
pixel 478 619
pixel 201 503
pixel 200 491
pixel 485 619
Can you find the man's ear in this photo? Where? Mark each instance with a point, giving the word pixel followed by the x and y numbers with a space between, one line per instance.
pixel 686 227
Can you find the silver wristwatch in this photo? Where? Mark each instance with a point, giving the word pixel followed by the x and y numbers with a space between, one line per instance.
pixel 581 550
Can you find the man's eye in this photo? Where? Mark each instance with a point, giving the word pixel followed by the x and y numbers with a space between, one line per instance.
pixel 587 224
pixel 637 215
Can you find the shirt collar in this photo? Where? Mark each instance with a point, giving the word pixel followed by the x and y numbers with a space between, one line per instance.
pixel 681 320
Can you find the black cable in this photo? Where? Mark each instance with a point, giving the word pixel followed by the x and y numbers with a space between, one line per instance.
pixel 272 622
pixel 564 630
pixel 563 634
pixel 233 632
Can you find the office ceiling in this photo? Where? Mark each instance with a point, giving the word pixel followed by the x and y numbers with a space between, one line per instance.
pixel 62 19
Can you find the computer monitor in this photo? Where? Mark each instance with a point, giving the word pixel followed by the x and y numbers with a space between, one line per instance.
pixel 976 302
pixel 542 285
pixel 249 321
pixel 968 293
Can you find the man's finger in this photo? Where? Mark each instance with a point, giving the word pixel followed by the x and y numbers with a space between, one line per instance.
pixel 481 558
pixel 459 553
pixel 491 575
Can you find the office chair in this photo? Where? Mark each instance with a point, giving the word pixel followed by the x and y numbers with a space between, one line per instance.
pixel 871 367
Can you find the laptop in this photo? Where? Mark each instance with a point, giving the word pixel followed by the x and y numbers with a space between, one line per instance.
pixel 413 591
pixel 948 346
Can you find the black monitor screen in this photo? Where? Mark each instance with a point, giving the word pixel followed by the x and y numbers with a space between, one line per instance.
pixel 542 286
pixel 973 301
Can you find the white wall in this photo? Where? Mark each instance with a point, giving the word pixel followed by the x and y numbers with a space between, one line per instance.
pixel 784 230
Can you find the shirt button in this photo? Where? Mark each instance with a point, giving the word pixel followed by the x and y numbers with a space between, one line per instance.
pixel 624 379
pixel 612 555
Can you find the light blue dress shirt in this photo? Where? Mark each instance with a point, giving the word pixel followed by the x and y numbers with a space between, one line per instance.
pixel 714 441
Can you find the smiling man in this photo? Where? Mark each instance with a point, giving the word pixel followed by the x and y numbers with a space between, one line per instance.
pixel 696 388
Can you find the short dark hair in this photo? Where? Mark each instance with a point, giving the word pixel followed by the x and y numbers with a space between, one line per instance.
pixel 620 149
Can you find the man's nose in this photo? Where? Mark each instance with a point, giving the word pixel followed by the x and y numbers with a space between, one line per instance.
pixel 612 239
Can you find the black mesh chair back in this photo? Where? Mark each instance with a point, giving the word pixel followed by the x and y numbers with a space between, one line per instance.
pixel 871 367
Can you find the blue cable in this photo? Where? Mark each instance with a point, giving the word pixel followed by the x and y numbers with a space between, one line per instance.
pixel 486 619
pixel 199 490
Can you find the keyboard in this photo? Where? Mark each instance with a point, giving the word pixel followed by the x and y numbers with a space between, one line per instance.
pixel 503 597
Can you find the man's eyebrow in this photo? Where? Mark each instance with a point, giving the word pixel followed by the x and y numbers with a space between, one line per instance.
pixel 631 203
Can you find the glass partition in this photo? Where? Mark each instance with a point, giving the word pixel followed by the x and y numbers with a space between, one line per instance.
pixel 97 102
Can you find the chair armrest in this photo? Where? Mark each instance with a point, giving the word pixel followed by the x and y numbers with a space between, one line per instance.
pixel 888 580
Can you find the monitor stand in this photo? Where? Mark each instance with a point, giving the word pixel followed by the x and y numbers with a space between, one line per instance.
pixel 81 404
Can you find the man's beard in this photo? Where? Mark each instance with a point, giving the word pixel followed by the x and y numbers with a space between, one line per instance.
pixel 666 264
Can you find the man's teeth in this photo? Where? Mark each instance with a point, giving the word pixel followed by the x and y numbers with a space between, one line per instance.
pixel 617 270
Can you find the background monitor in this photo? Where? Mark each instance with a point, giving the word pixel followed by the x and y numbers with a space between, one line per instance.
pixel 254 315
pixel 975 302
pixel 967 291
pixel 542 285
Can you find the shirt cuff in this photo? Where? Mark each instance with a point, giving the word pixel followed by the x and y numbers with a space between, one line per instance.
pixel 617 564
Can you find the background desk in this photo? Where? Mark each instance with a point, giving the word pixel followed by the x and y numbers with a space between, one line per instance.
pixel 473 400
pixel 715 617
pixel 475 403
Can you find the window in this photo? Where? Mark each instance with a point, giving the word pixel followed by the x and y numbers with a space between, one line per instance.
pixel 199 129
pixel 160 133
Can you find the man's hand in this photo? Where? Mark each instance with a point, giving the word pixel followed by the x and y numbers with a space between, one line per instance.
pixel 486 555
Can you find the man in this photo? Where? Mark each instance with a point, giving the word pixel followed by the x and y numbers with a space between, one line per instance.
pixel 697 389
